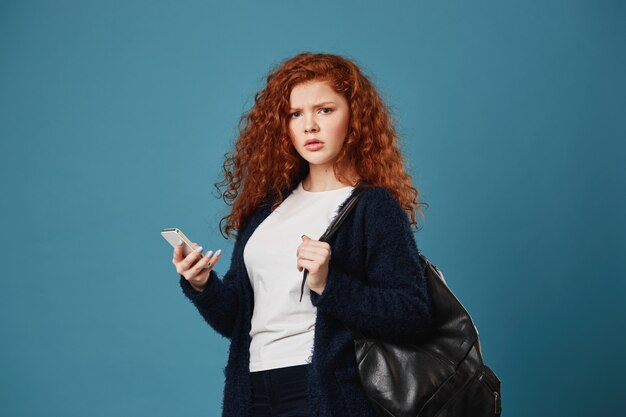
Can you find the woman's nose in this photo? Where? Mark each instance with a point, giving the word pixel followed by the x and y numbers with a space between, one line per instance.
pixel 310 126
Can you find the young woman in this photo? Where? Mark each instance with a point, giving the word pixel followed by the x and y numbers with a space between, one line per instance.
pixel 316 132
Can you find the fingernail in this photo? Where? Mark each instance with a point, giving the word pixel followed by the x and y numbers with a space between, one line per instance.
pixel 209 253
pixel 218 252
pixel 199 249
pixel 180 242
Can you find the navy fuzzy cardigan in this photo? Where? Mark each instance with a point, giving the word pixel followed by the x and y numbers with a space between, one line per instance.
pixel 376 284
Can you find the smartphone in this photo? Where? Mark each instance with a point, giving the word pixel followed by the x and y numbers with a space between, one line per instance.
pixel 173 235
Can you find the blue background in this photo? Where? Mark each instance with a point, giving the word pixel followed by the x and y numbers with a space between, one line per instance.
pixel 114 120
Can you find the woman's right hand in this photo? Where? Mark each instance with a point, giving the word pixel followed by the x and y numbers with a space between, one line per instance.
pixel 192 266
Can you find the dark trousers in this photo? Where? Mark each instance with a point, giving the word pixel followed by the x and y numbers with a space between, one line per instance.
pixel 280 392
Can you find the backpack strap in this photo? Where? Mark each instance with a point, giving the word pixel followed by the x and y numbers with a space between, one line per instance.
pixel 334 226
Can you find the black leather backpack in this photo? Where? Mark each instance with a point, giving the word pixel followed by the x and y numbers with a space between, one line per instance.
pixel 442 376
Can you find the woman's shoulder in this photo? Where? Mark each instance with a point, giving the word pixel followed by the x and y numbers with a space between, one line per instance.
pixel 379 197
pixel 381 208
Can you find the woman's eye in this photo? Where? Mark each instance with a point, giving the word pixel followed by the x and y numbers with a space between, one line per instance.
pixel 325 110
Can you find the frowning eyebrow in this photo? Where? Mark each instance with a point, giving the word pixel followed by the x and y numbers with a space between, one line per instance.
pixel 315 105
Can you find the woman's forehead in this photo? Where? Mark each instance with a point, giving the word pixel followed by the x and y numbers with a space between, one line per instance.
pixel 312 93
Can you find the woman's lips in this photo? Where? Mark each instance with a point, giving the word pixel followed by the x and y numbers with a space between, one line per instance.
pixel 314 146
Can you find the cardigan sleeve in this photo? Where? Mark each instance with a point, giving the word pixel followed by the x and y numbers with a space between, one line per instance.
pixel 217 303
pixel 392 302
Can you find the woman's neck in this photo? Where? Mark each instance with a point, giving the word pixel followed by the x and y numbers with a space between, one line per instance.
pixel 323 179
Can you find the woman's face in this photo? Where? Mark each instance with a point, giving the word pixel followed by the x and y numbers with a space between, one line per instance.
pixel 318 112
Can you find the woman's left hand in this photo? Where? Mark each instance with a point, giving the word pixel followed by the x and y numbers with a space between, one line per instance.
pixel 314 256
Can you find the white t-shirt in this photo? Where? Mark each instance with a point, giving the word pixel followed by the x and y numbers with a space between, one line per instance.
pixel 282 326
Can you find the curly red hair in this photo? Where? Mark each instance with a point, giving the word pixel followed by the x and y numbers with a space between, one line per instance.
pixel 268 171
